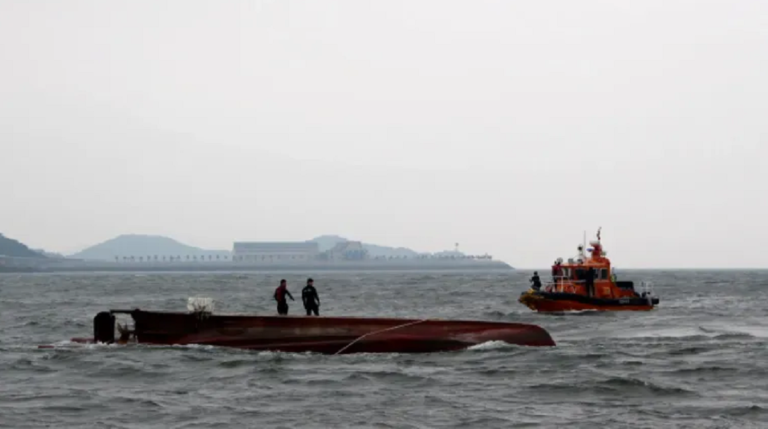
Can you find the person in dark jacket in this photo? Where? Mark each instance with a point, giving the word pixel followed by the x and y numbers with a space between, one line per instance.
pixel 536 281
pixel 590 281
pixel 280 293
pixel 557 271
pixel 310 298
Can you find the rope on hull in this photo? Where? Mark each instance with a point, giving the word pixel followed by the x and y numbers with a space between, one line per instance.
pixel 378 332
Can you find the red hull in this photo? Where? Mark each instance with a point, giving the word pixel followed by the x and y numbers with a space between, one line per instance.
pixel 558 306
pixel 330 335
pixel 559 302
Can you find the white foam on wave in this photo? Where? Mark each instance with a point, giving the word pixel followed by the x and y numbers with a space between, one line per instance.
pixel 271 354
pixel 68 344
pixel 695 331
pixel 754 331
pixel 194 346
pixel 679 332
pixel 490 345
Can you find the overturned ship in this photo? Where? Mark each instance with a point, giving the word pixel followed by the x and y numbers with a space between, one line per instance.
pixel 327 335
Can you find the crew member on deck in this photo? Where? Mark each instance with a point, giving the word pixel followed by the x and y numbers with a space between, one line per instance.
pixel 590 281
pixel 557 271
pixel 310 298
pixel 282 303
pixel 536 281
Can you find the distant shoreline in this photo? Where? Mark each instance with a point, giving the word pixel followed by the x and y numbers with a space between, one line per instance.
pixel 112 267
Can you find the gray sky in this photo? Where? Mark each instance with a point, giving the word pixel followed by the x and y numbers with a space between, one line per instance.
pixel 506 126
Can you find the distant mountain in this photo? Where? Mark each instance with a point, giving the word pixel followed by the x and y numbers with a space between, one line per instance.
pixel 142 246
pixel 326 242
pixel 47 254
pixel 11 247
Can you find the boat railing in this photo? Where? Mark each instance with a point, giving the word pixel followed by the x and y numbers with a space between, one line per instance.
pixel 563 284
pixel 646 288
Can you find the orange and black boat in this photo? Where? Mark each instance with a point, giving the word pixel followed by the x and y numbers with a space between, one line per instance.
pixel 588 283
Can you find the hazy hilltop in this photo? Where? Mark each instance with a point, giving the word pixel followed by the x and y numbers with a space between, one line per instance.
pixel 11 247
pixel 47 254
pixel 326 242
pixel 142 246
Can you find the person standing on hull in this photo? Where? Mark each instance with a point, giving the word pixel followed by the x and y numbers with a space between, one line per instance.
pixel 310 298
pixel 282 303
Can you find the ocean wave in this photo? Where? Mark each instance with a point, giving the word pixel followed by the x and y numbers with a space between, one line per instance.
pixel 632 362
pixel 498 315
pixel 582 313
pixel 707 369
pixel 388 376
pixel 192 346
pixel 74 345
pixel 695 362
pixel 746 411
pixel 616 385
pixel 691 333
pixel 736 331
pixel 30 365
pixel 660 334
pixel 492 345
pixel 720 333
pixel 621 384
pixel 692 350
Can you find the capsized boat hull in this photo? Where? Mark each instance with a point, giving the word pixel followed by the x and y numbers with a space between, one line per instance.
pixel 561 302
pixel 330 335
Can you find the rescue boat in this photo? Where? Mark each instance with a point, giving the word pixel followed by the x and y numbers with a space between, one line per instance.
pixel 327 335
pixel 587 282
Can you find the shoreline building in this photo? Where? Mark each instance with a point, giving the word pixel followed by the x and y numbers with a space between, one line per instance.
pixel 269 252
pixel 346 251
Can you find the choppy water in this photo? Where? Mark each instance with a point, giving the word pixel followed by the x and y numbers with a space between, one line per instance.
pixel 700 360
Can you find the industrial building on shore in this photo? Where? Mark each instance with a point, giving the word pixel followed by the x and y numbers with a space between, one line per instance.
pixel 157 253
pixel 301 251
pixel 255 252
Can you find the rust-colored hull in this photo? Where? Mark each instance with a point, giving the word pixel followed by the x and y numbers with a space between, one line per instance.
pixel 329 335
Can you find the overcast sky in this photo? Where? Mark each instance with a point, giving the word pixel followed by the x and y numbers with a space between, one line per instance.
pixel 509 127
